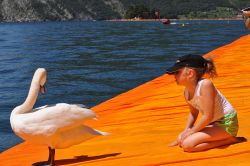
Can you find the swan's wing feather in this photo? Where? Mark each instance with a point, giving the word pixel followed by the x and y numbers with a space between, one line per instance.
pixel 53 105
pixel 39 108
pixel 74 136
pixel 49 119
pixel 81 105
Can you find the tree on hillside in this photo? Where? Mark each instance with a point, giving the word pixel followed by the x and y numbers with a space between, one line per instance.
pixel 174 8
pixel 139 11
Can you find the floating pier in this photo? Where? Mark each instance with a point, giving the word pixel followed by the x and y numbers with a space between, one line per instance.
pixel 145 119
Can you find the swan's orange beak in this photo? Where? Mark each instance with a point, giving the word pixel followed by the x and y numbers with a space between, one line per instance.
pixel 43 89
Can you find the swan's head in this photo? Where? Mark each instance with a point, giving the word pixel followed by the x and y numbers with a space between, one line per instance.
pixel 41 77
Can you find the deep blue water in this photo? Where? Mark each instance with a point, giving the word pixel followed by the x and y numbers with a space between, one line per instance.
pixel 90 62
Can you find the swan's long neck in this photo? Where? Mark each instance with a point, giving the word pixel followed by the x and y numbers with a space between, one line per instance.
pixel 39 79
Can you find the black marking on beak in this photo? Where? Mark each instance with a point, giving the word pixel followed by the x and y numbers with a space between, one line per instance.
pixel 43 89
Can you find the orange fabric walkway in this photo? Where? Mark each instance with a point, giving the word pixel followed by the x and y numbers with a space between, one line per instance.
pixel 145 119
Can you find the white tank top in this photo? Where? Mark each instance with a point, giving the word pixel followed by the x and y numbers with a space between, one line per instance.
pixel 221 105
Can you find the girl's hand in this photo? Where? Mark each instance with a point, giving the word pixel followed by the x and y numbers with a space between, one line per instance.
pixel 178 140
pixel 186 134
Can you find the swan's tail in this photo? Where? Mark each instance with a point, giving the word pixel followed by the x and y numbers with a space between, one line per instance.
pixel 102 133
pixel 91 131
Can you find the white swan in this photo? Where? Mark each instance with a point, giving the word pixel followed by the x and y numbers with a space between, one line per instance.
pixel 57 126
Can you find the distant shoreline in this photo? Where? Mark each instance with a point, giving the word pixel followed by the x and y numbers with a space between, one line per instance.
pixel 127 20
pixel 182 19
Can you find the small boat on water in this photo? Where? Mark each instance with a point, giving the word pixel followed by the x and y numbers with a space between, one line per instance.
pixel 165 21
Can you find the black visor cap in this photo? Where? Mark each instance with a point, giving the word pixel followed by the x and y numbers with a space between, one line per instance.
pixel 190 60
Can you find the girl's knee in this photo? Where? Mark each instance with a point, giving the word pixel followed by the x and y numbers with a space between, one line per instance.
pixel 187 146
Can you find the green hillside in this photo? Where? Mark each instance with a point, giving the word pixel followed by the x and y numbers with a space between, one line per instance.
pixel 191 8
pixel 51 10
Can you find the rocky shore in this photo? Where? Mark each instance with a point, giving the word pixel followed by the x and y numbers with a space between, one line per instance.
pixel 58 10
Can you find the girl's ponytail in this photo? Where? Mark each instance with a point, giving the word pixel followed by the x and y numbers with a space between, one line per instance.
pixel 210 68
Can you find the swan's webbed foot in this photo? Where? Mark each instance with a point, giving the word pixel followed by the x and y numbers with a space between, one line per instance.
pixel 51 159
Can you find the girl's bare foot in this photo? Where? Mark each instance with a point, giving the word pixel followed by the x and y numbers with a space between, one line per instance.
pixel 174 143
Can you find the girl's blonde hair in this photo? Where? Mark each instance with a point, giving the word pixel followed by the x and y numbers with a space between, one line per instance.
pixel 209 69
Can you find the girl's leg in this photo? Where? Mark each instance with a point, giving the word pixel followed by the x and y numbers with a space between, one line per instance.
pixel 209 137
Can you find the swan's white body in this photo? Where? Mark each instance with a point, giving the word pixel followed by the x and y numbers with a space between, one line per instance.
pixel 57 126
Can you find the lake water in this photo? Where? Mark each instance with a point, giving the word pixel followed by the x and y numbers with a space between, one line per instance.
pixel 90 62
